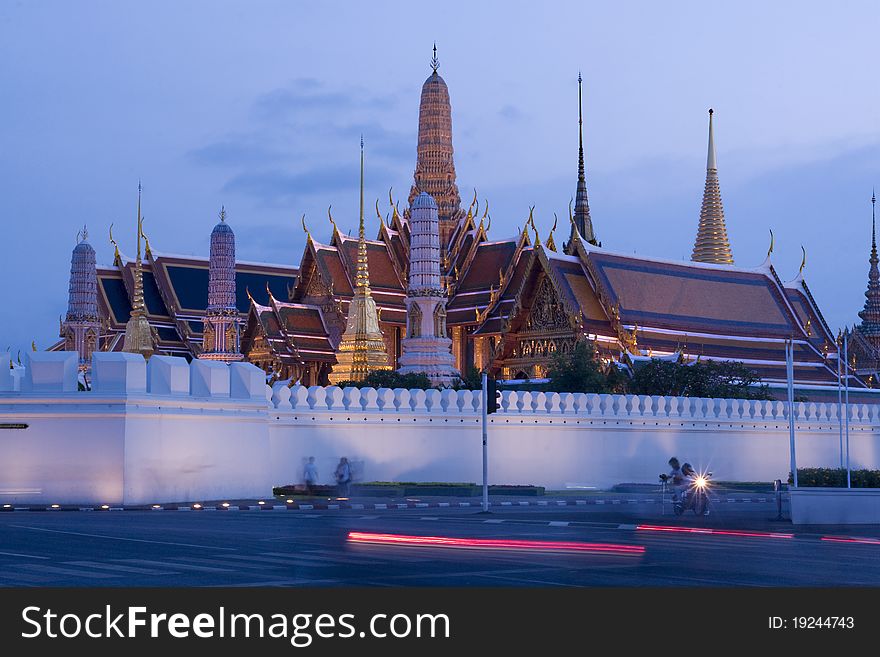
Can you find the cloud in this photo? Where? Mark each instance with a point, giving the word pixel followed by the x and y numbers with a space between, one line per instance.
pixel 236 151
pixel 278 187
pixel 510 113
pixel 310 95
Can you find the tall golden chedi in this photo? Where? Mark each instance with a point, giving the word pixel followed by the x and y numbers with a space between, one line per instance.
pixel 362 348
pixel 138 333
pixel 711 244
pixel 435 168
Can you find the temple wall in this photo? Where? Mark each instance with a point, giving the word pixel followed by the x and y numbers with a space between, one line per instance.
pixel 168 431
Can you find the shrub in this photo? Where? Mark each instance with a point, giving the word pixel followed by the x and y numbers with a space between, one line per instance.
pixel 836 478
pixel 714 379
pixel 391 379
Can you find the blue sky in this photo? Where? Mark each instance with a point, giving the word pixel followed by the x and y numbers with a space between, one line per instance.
pixel 259 106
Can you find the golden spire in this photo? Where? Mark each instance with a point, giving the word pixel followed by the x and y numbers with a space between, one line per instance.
pixel 435 63
pixel 362 348
pixel 138 332
pixel 712 244
pixel 363 272
pixel 803 261
pixel 770 250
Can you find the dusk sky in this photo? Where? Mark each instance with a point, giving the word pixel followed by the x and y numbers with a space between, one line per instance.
pixel 259 106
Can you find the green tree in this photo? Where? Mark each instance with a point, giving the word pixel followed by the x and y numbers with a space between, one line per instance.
pixel 472 380
pixel 580 371
pixel 718 379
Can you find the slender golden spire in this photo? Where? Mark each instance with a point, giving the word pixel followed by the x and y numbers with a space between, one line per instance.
pixel 137 303
pixel 362 348
pixel 138 333
pixel 363 272
pixel 711 244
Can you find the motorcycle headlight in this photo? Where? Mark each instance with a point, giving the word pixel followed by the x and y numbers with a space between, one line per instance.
pixel 701 482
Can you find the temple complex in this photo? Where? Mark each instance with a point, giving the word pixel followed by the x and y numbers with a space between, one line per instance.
pixel 434 292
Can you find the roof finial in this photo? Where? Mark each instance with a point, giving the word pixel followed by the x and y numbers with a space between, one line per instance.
pixel 770 250
pixel 803 261
pixel 873 221
pixel 222 214
pixel 363 275
pixel 710 160
pixel 435 63
pixel 305 228
pixel 140 221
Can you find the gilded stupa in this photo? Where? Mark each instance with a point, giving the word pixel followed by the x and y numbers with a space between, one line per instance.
pixel 362 348
pixel 711 244
pixel 138 333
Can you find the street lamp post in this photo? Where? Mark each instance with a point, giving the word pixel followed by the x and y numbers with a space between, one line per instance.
pixel 846 404
pixel 485 406
pixel 789 371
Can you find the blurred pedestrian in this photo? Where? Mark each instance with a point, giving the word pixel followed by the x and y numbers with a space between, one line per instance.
pixel 343 478
pixel 310 474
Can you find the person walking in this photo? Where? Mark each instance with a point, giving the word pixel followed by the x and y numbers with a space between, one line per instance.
pixel 310 475
pixel 343 478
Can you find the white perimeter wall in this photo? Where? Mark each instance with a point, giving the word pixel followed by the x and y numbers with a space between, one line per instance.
pixel 173 432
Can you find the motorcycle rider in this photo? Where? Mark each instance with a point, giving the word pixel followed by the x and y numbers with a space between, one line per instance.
pixel 675 478
pixel 690 477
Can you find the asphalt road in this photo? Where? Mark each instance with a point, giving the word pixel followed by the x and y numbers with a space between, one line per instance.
pixel 302 548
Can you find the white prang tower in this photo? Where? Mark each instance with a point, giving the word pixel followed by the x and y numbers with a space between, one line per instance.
pixel 426 348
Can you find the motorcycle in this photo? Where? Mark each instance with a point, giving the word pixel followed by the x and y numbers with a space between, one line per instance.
pixel 694 497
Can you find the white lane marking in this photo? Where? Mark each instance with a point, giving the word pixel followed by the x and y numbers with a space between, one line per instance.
pixel 523 503
pixel 630 527
pixel 368 517
pixel 69 571
pixel 120 538
pixel 542 503
pixel 600 501
pixel 121 569
pixel 557 523
pixel 179 566
pixel 580 502
pixel 26 556
pixel 429 518
pixel 421 505
pixel 279 507
pixel 334 507
pixel 464 504
pixel 561 503
pixel 403 506
pixel 380 506
pixel 615 501
pixel 443 504
pixel 494 521
pixel 306 507
pixel 357 506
